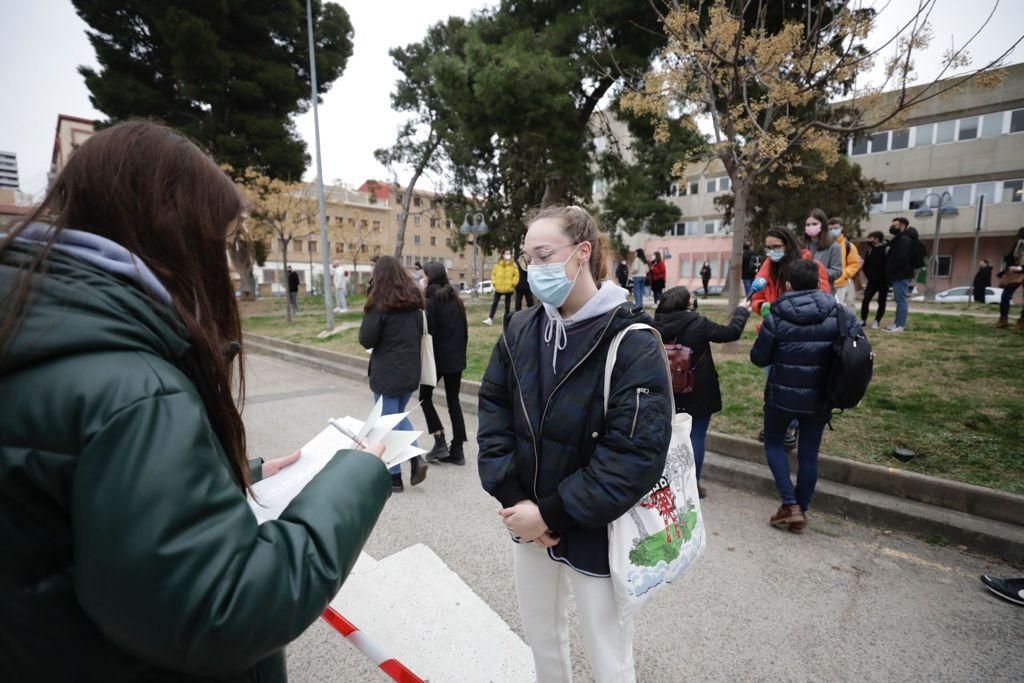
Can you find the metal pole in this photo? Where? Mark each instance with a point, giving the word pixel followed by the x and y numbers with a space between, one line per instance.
pixel 328 294
pixel 929 294
pixel 475 292
pixel 977 228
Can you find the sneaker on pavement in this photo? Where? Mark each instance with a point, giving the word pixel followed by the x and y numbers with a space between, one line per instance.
pixel 488 322
pixel 396 483
pixel 875 325
pixel 787 514
pixel 1007 589
pixel 894 328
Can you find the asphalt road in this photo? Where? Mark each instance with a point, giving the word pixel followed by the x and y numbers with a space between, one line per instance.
pixel 842 602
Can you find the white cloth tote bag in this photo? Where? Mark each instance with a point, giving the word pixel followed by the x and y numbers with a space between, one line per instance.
pixel 428 366
pixel 659 538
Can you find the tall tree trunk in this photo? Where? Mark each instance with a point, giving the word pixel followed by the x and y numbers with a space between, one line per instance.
pixel 741 195
pixel 555 188
pixel 242 256
pixel 421 164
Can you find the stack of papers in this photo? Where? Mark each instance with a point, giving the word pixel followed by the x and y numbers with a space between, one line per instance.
pixel 272 495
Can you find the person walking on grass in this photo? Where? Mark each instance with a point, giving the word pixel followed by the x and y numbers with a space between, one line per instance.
pixel 638 273
pixel 293 290
pixel 795 342
pixel 622 273
pixel 657 277
pixel 905 256
pixel 392 325
pixel 523 289
pixel 504 278
pixel 851 264
pixel 877 282
pixel 982 281
pixel 823 248
pixel 680 324
pixel 131 549
pixel 340 281
pixel 705 277
pixel 561 468
pixel 1011 278
pixel 446 321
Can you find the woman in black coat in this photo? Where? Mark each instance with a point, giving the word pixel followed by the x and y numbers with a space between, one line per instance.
pixel 446 320
pixel 392 327
pixel 680 325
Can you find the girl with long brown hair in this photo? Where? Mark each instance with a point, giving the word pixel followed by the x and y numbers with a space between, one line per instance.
pixel 123 465
pixel 393 323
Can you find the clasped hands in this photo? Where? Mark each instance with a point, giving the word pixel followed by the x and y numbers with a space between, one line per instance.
pixel 524 520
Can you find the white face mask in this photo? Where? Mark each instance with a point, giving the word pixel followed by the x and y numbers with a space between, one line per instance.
pixel 835 232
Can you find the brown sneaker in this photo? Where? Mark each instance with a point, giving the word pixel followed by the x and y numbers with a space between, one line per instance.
pixel 1003 323
pixel 799 526
pixel 787 514
pixel 1020 324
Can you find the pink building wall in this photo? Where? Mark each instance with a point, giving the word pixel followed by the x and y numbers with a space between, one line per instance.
pixel 716 249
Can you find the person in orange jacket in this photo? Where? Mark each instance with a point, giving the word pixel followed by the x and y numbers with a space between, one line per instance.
pixel 852 263
pixel 781 249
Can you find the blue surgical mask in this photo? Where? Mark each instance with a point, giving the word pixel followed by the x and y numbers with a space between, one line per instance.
pixel 550 284
pixel 835 232
pixel 775 254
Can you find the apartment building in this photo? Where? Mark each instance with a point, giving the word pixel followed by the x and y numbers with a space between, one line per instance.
pixel 71 132
pixel 9 170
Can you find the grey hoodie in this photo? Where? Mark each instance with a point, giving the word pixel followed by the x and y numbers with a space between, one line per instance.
pixel 556 336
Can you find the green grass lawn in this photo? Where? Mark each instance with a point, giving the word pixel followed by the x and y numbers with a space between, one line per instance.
pixel 949 388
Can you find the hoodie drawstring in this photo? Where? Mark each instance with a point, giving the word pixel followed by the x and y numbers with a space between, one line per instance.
pixel 555 328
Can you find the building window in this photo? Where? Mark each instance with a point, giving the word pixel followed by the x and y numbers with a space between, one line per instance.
pixel 894 200
pixel 416 201
pixel 692 227
pixel 968 128
pixel 724 184
pixel 961 195
pixel 945 131
pixel 433 222
pixel 992 125
pixel 860 146
pixel 917 196
pixel 339 248
pixel 352 221
pixel 408 260
pixel 433 241
pixel 923 134
pixel 363 223
pixel 986 189
pixel 876 202
pixel 363 248
pixel 694 187
pixel 598 188
pixel 686 268
pixel 297 246
pixel 880 142
pixel 447 263
pixel 415 239
pixel 376 225
pixel 312 247
pixel 943 266
pixel 339 219
pixel 712 185
pixel 673 190
pixel 416 220
pixel 1013 190
pixel 710 227
pixel 1017 121
pixel 679 229
pixel 900 139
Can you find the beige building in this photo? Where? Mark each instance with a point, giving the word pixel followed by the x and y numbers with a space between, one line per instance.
pixel 71 132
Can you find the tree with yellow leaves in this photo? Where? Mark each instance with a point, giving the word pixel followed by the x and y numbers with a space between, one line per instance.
pixel 768 75
pixel 277 210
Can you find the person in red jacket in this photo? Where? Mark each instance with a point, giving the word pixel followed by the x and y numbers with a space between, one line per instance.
pixel 781 249
pixel 657 277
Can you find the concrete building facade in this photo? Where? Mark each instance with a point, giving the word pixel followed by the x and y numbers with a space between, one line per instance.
pixel 9 170
pixel 71 132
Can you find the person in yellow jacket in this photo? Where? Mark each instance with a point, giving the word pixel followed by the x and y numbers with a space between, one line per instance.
pixel 504 278
pixel 852 263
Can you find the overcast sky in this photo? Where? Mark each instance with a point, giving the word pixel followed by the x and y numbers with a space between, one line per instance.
pixel 42 42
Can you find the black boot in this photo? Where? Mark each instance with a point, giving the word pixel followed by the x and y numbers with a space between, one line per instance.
pixel 419 471
pixel 439 451
pixel 396 483
pixel 455 455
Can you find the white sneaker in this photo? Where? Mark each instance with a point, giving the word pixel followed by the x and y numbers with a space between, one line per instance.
pixel 488 322
pixel 344 310
pixel 338 310
pixel 875 325
pixel 894 328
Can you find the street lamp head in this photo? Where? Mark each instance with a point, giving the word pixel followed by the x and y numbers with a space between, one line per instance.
pixel 465 228
pixel 949 211
pixel 924 212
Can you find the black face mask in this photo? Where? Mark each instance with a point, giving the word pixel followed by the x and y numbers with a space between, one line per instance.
pixel 893 230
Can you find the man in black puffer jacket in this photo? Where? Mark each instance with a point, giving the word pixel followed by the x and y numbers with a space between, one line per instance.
pixel 796 341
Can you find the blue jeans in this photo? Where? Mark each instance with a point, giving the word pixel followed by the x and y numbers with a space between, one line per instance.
pixel 811 429
pixel 747 286
pixel 639 283
pixel 901 292
pixel 393 405
pixel 698 435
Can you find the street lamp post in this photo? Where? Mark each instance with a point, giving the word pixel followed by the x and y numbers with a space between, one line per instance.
pixel 476 228
pixel 944 209
pixel 321 212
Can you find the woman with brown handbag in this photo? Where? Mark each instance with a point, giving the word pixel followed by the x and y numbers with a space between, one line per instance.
pixel 1011 278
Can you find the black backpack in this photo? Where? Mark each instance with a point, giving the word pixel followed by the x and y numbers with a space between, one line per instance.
pixel 918 253
pixel 852 366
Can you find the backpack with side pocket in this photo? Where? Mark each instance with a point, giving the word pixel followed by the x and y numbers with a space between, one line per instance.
pixel 680 362
pixel 853 364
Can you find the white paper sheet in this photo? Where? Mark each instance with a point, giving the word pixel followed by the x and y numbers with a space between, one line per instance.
pixel 272 495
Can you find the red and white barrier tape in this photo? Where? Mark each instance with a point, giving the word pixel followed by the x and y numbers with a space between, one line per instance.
pixel 388 664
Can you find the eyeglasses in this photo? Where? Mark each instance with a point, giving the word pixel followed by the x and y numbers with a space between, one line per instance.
pixel 541 256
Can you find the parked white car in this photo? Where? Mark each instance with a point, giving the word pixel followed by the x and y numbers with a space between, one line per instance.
pixel 963 295
pixel 485 287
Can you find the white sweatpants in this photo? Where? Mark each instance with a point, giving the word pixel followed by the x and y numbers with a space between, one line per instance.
pixel 542 586
pixel 844 294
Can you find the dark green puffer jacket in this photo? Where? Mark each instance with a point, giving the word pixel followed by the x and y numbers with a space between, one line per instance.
pixel 128 552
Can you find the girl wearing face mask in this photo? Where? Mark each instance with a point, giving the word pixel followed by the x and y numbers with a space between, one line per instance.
pixel 561 469
pixel 781 249
pixel 504 278
pixel 823 248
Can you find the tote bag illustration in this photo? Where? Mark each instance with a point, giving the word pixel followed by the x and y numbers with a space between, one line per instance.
pixel 652 545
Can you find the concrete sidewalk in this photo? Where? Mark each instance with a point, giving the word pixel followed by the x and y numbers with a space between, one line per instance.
pixel 844 601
